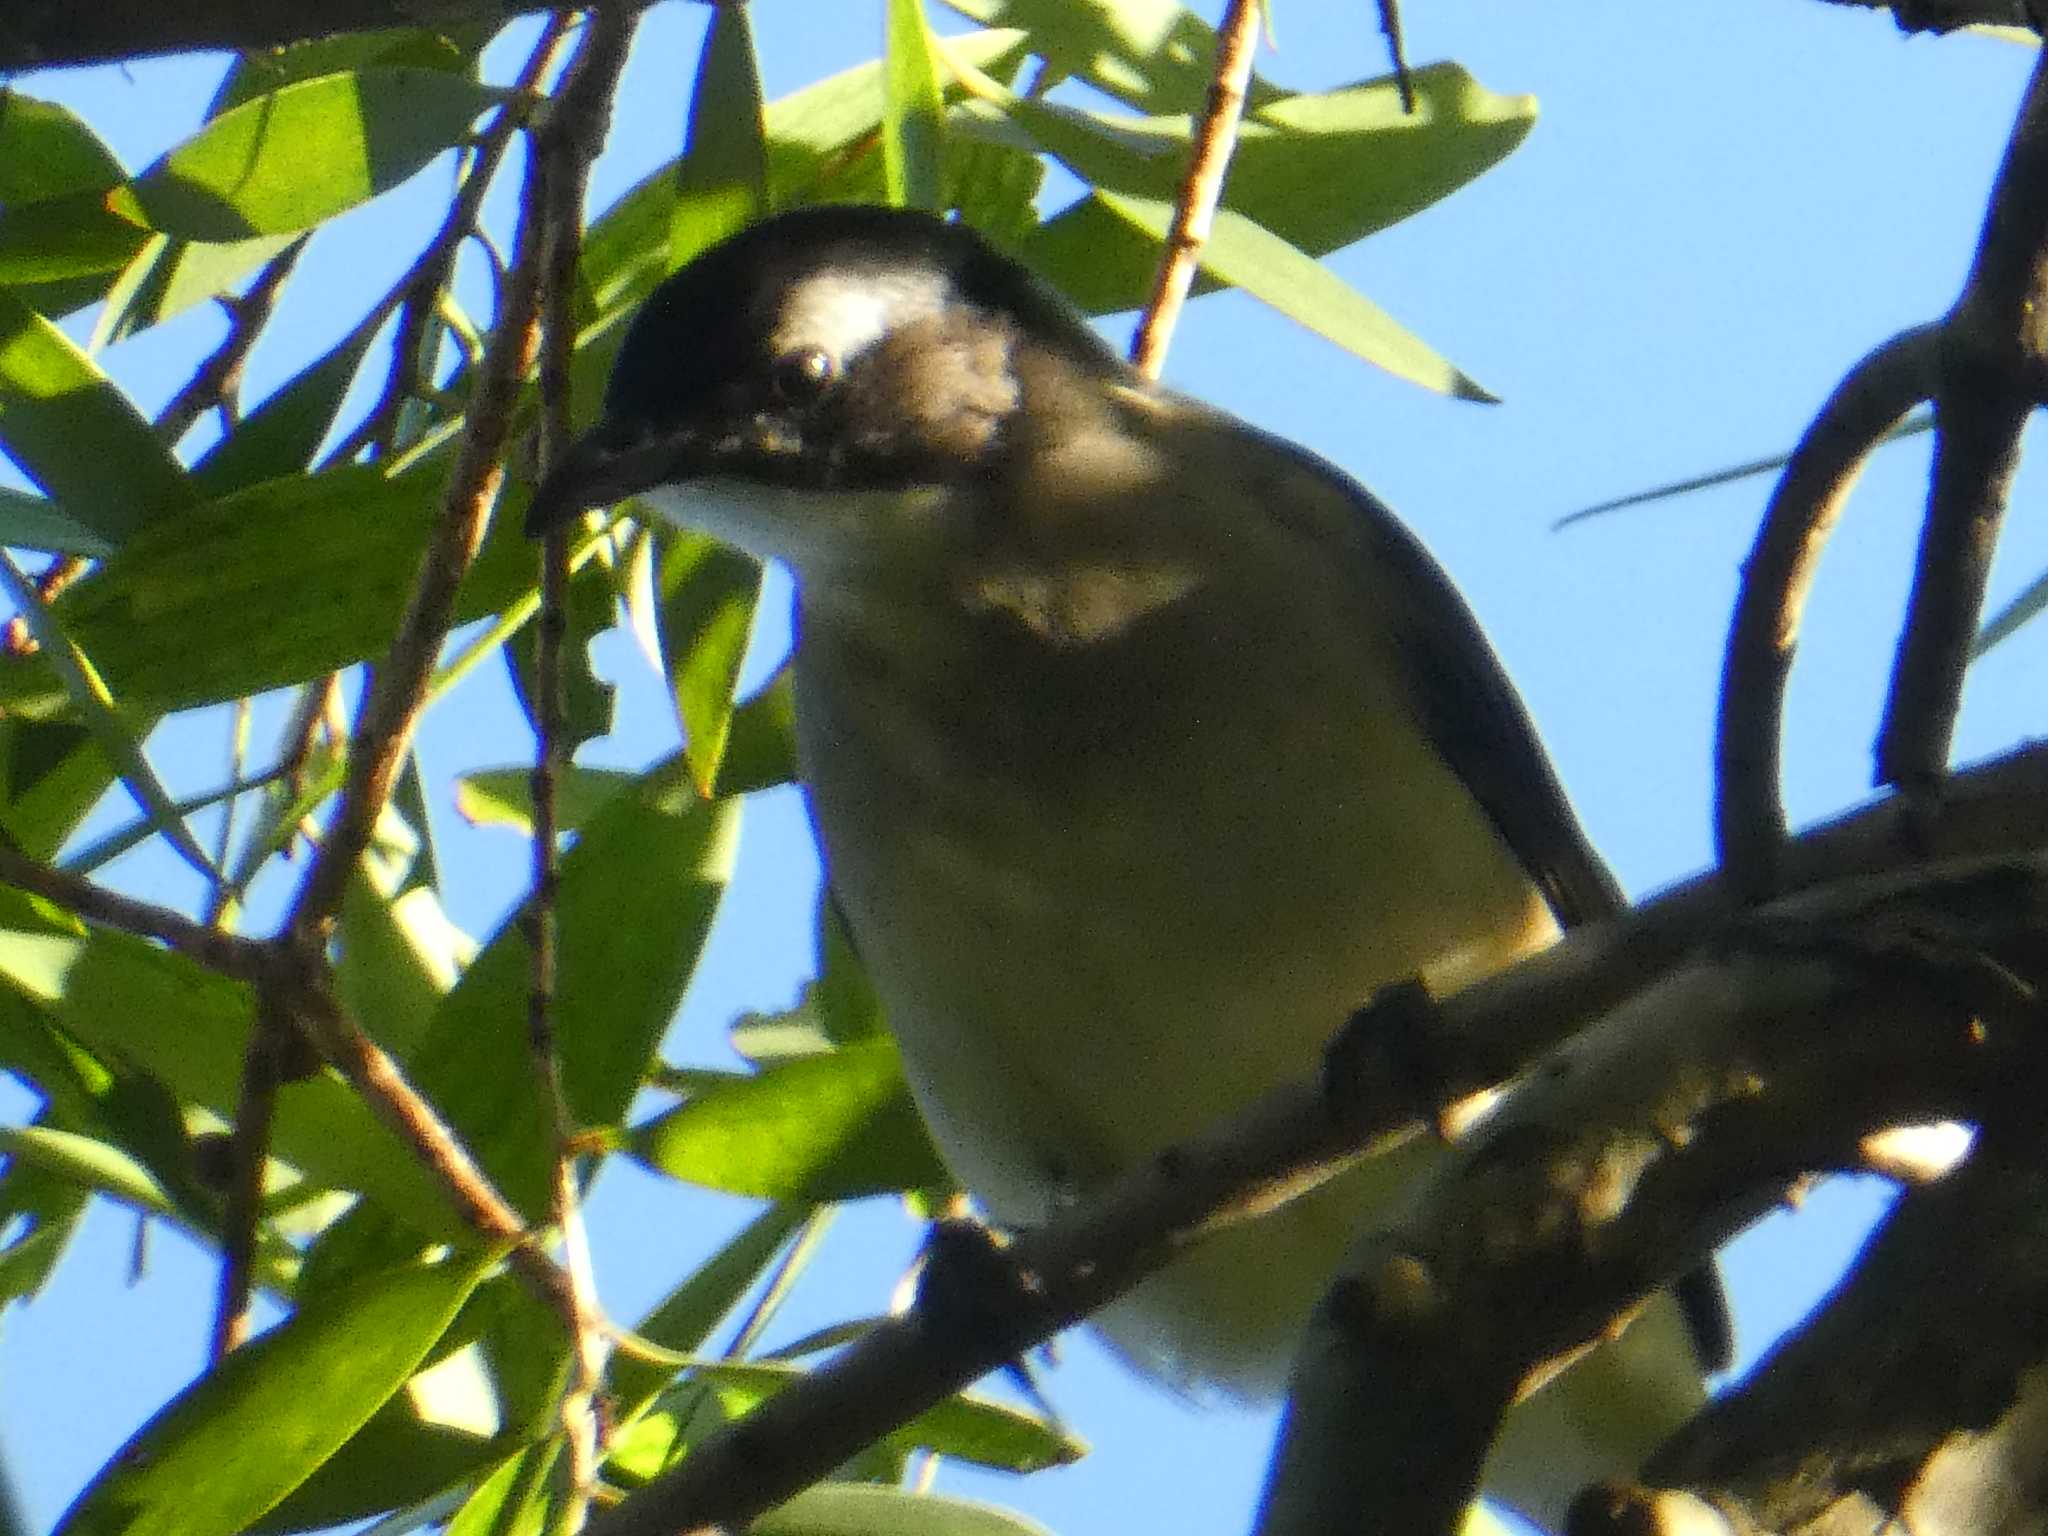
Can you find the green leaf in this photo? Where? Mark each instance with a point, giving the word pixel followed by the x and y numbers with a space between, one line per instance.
pixel 971 1428
pixel 2026 605
pixel 76 435
pixel 838 1125
pixel 1154 54
pixel 638 892
pixel 46 150
pixel 760 748
pixel 400 955
pixel 705 615
pixel 685 1318
pixel 859 1509
pixel 99 712
pixel 1321 170
pixel 229 1447
pixel 1250 257
pixel 72 236
pixel 298 156
pixel 282 434
pixel 723 178
pixel 913 111
pixel 816 134
pixel 503 797
pixel 167 277
pixel 156 1013
pixel 36 522
pixel 451 48
pixel 316 568
pixel 41 1211
pixel 511 1501
pixel 87 1162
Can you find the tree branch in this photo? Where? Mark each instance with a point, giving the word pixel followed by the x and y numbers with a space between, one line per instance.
pixel 1085 1257
pixel 42 34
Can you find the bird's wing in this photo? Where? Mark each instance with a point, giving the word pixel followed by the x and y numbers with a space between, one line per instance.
pixel 1475 718
pixel 1466 705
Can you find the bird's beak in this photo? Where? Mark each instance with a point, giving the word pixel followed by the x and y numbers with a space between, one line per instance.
pixel 605 465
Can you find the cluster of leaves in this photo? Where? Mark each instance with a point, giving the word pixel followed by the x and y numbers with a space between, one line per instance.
pixel 437 1373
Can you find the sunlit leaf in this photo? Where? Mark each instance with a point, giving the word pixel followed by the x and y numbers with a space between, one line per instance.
pixel 857 1509
pixel 244 1435
pixel 722 183
pixel 913 111
pixel 296 157
pixel 838 1125
pixel 76 435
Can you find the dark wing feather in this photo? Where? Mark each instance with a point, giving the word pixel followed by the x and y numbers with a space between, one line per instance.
pixel 1475 718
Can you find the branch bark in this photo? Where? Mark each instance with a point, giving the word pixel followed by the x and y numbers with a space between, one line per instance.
pixel 41 34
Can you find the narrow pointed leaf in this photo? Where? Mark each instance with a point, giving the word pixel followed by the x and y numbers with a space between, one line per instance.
pixel 913 111
pixel 293 158
pixel 838 1125
pixel 723 180
pixel 76 435
pixel 229 1447
pixel 859 1509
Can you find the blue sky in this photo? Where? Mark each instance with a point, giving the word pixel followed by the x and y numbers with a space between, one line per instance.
pixel 1724 203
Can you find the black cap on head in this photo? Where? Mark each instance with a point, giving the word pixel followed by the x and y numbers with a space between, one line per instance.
pixel 708 353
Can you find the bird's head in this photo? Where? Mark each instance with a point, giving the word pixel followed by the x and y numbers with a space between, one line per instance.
pixel 815 356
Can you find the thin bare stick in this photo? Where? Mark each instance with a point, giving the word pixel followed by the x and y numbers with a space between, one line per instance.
pixel 566 143
pixel 417 294
pixel 226 953
pixel 56 576
pixel 1995 371
pixel 1397 50
pixel 1201 188
pixel 249 1153
pixel 215 381
pixel 397 690
pixel 1749 815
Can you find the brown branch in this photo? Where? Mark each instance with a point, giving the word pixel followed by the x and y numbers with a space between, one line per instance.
pixel 1657 1133
pixel 397 689
pixel 1749 816
pixel 216 380
pixel 226 953
pixel 566 144
pixel 416 294
pixel 1994 372
pixel 1089 1254
pixel 38 34
pixel 1201 188
pixel 248 1154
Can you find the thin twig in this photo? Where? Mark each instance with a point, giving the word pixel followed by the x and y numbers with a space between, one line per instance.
pixel 249 1154
pixel 1995 371
pixel 397 689
pixel 1397 50
pixel 1749 815
pixel 1201 187
pixel 226 953
pixel 216 380
pixel 565 145
pixel 18 640
pixel 417 294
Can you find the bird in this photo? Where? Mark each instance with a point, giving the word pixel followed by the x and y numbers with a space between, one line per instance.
pixel 1142 746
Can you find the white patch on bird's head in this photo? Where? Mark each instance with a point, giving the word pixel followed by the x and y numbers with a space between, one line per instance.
pixel 845 312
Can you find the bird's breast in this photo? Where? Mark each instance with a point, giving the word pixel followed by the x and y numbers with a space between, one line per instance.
pixel 1110 890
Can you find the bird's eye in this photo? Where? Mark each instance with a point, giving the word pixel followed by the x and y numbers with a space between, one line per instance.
pixel 802 375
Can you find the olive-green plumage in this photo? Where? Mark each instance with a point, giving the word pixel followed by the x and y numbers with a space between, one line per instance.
pixel 1142 746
